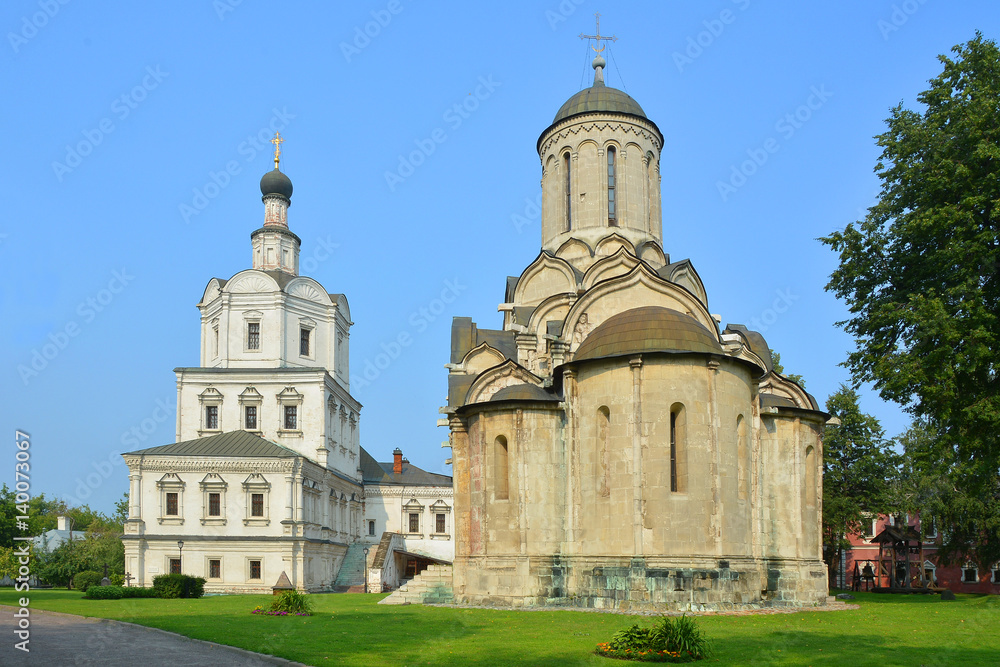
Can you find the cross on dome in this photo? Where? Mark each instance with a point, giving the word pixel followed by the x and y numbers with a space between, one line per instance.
pixel 277 141
pixel 598 37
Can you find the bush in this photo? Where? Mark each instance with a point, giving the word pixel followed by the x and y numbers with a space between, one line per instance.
pixel 670 640
pixel 104 593
pixel 117 579
pixel 118 592
pixel 84 580
pixel 287 604
pixel 178 586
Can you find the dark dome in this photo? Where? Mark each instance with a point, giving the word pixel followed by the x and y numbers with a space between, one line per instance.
pixel 523 392
pixel 599 98
pixel 276 183
pixel 648 329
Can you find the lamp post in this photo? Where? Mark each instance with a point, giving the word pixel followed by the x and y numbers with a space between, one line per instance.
pixel 180 555
pixel 366 569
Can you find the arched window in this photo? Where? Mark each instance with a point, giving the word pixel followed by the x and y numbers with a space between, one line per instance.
pixel 678 449
pixel 742 462
pixel 811 479
pixel 612 214
pixel 603 434
pixel 500 469
pixel 569 192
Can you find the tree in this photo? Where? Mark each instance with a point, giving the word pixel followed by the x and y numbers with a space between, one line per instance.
pixel 780 370
pixel 859 473
pixel 921 273
pixel 932 475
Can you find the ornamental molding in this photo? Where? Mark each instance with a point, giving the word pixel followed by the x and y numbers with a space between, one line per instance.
pixel 379 491
pixel 204 465
pixel 585 127
pixel 306 291
pixel 251 284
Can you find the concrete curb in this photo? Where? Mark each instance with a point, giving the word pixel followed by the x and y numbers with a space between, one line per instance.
pixel 262 656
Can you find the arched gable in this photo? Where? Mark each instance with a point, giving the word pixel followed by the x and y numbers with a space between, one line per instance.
pixel 640 287
pixel 551 309
pixel 308 289
pixel 212 291
pixel 482 357
pixel 573 249
pixel 251 281
pixel 651 253
pixel 494 379
pixel 610 245
pixel 620 263
pixel 780 386
pixel 545 276
pixel 683 274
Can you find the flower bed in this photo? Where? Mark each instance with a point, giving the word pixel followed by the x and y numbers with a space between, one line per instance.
pixel 669 640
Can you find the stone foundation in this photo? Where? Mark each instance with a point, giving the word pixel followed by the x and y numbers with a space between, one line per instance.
pixel 640 584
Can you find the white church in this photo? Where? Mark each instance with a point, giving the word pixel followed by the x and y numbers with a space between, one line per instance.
pixel 266 475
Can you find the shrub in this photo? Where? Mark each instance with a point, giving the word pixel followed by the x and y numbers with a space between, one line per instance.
pixel 287 604
pixel 118 592
pixel 104 593
pixel 178 586
pixel 117 579
pixel 670 640
pixel 84 580
pixel 293 602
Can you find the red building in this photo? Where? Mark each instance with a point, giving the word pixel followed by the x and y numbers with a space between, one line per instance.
pixel 890 569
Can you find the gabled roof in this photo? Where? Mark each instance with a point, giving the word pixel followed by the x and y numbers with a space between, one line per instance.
pixel 233 444
pixel 373 472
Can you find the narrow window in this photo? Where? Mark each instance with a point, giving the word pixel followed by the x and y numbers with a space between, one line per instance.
pixel 569 193
pixel 742 464
pixel 175 566
pixel 214 504
pixel 171 504
pixel 215 569
pixel 304 342
pixel 215 346
pixel 673 452
pixel 255 569
pixel 414 522
pixel 500 468
pixel 250 417
pixel 440 524
pixel 612 216
pixel 678 452
pixel 371 527
pixel 603 430
pixel 253 335
pixel 256 504
pixel 291 417
pixel 211 417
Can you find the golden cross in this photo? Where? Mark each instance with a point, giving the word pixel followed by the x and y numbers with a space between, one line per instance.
pixel 277 141
pixel 598 37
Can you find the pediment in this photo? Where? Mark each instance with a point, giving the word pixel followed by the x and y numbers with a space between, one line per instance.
pixel 683 274
pixel 213 480
pixel 499 377
pixel 308 289
pixel 545 276
pixel 251 282
pixel 212 292
pixel 482 357
pixel 620 263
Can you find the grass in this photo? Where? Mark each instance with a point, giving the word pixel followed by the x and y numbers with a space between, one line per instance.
pixel 354 630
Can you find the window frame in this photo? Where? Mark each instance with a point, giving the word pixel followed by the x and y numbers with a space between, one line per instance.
pixel 170 565
pixel 251 560
pixel 208 569
pixel 970 567
pixel 168 485
pixel 211 484
pixel 252 339
pixel 612 180
pixel 256 484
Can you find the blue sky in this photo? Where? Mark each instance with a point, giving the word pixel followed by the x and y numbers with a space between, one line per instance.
pixel 133 159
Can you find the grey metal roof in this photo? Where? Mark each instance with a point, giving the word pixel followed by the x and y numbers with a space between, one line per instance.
pixel 233 444
pixel 523 392
pixel 755 341
pixel 373 472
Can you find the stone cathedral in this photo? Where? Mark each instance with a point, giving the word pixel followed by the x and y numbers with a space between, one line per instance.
pixel 612 446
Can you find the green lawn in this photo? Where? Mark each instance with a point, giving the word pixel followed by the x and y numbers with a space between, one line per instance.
pixel 353 630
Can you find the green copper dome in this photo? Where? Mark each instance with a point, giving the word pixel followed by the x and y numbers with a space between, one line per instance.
pixel 599 98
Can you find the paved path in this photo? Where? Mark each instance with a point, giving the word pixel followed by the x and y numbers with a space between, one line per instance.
pixel 59 640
